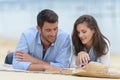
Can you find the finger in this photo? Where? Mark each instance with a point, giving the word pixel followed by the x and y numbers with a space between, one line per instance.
pixel 85 59
pixel 19 51
pixel 84 66
pixel 18 59
pixel 88 58
pixel 18 54
pixel 22 60
pixel 81 60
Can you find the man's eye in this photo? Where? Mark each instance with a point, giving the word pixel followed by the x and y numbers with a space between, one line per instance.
pixel 55 29
pixel 48 30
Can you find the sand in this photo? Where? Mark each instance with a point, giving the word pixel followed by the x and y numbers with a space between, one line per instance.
pixel 10 44
pixel 5 45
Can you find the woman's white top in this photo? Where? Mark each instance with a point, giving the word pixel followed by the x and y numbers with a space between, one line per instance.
pixel 104 59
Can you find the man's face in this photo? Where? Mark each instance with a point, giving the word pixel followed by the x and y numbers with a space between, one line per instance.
pixel 49 32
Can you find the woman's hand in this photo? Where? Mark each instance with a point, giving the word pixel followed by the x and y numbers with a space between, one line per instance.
pixel 82 58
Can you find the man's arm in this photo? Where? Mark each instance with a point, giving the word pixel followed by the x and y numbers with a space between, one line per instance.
pixel 41 67
pixel 36 64
pixel 63 52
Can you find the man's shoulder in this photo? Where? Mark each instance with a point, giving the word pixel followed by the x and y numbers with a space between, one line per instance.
pixel 30 33
pixel 63 39
pixel 30 30
pixel 62 34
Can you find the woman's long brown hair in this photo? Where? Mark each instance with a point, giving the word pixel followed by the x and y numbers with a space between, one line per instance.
pixel 100 44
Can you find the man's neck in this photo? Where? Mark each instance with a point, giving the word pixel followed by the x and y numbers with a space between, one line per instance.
pixel 45 44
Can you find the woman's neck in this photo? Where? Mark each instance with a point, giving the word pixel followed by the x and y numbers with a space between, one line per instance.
pixel 88 47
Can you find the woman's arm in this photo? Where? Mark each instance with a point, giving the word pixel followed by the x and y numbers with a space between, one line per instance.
pixel 105 59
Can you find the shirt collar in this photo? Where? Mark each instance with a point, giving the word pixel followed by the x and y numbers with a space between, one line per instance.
pixel 38 38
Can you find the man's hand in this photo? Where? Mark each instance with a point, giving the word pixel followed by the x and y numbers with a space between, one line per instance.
pixel 37 64
pixel 24 57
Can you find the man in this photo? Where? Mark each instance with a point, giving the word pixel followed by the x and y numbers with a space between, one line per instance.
pixel 45 47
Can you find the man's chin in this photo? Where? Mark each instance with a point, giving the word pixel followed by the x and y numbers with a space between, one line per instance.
pixel 51 41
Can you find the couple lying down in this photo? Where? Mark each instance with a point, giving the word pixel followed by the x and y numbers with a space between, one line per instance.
pixel 47 47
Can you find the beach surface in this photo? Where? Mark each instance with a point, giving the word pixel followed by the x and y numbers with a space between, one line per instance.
pixel 10 44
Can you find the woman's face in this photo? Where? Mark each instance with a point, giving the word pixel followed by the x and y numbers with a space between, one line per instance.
pixel 85 34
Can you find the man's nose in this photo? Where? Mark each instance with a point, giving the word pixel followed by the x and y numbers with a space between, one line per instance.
pixel 53 33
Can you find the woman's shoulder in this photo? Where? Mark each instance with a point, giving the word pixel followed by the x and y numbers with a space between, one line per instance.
pixel 107 41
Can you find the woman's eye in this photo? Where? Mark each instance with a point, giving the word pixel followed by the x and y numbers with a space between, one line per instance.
pixel 84 31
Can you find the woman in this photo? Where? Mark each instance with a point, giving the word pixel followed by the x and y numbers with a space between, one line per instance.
pixel 89 44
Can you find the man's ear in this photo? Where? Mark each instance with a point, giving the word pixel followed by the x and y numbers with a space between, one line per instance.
pixel 38 28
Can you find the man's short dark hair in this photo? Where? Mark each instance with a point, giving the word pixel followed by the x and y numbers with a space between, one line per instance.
pixel 46 15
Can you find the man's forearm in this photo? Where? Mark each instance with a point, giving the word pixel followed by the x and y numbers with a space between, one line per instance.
pixel 42 67
pixel 37 61
pixel 37 67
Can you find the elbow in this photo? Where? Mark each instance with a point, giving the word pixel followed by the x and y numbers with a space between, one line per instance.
pixel 20 65
pixel 16 65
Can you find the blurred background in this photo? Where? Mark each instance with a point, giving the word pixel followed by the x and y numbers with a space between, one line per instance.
pixel 18 15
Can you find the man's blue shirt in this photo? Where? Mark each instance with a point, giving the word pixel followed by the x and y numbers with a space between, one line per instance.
pixel 57 54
